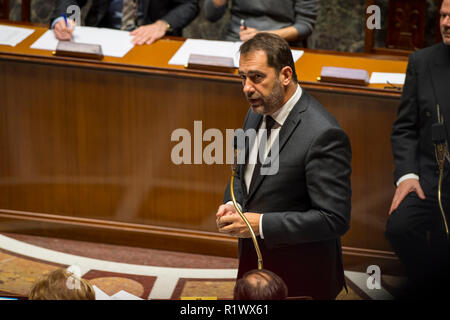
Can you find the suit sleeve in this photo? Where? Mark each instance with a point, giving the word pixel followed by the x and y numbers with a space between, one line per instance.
pixel 405 131
pixel 62 5
pixel 328 170
pixel 305 17
pixel 183 12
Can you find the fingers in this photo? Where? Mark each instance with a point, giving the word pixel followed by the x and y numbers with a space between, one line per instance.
pixel 147 34
pixel 395 202
pixel 407 186
pixel 420 192
pixel 62 32
pixel 225 209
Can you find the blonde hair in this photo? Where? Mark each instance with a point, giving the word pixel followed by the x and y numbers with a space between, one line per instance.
pixel 61 285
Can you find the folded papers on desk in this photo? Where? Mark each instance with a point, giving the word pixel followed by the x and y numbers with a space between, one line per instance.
pixel 344 75
pixel 11 36
pixel 211 63
pixel 79 50
pixel 212 49
pixel 114 43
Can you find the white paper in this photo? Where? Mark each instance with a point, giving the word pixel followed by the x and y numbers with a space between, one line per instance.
pixel 227 49
pixel 11 36
pixel 123 295
pixel 114 43
pixel 385 77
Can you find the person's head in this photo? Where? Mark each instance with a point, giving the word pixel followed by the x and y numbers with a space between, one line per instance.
pixel 445 21
pixel 260 285
pixel 61 284
pixel 267 71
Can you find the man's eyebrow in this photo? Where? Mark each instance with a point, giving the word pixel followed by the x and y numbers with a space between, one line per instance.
pixel 251 72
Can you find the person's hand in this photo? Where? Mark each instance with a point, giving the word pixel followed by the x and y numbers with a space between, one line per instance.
pixel 247 33
pixel 63 32
pixel 405 187
pixel 149 33
pixel 234 225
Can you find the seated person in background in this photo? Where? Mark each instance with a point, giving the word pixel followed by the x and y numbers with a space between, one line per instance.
pixel 292 20
pixel 149 20
pixel 62 284
pixel 260 285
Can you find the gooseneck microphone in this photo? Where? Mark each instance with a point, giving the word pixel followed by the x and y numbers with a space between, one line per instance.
pixel 233 198
pixel 439 138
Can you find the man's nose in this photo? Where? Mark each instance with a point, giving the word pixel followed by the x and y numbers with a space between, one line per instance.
pixel 446 21
pixel 248 88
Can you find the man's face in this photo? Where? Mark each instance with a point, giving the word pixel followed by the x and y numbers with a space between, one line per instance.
pixel 445 21
pixel 261 84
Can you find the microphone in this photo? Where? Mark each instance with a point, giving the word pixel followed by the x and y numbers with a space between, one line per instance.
pixel 439 138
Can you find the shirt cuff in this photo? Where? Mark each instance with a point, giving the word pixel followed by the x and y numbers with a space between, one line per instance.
pixel 261 234
pixel 55 21
pixel 407 176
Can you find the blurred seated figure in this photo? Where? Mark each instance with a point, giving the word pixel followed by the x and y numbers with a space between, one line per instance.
pixel 148 20
pixel 292 20
pixel 260 285
pixel 62 284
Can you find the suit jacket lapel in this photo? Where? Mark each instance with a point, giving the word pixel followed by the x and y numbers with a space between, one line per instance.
pixel 440 73
pixel 292 121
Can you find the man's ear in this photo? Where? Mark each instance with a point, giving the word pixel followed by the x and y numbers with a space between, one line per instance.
pixel 286 75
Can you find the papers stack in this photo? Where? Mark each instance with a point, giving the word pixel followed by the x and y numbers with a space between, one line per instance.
pixel 114 43
pixel 11 36
pixel 225 49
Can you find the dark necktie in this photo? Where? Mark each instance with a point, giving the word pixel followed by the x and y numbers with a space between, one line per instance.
pixel 129 14
pixel 270 122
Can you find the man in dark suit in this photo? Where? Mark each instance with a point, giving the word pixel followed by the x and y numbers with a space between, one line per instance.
pixel 416 228
pixel 150 21
pixel 300 212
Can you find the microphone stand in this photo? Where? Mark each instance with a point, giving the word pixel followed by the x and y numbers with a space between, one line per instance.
pixel 441 153
pixel 233 198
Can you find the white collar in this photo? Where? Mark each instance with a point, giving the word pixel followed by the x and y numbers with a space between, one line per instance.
pixel 281 114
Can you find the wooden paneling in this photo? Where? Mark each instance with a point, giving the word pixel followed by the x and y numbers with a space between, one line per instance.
pixel 406 24
pixel 86 148
pixel 4 9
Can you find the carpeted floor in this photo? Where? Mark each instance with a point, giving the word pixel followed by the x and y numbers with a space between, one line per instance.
pixel 146 273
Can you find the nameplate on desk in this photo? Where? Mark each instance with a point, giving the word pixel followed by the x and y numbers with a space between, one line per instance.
pixel 79 50
pixel 344 76
pixel 211 63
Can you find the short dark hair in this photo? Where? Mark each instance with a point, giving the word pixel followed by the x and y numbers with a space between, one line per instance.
pixel 260 285
pixel 277 49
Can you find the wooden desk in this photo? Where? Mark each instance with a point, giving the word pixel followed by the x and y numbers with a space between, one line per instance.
pixel 86 148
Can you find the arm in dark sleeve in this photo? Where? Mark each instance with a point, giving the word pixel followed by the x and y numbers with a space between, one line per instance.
pixel 213 13
pixel 305 17
pixel 62 5
pixel 405 131
pixel 183 12
pixel 328 170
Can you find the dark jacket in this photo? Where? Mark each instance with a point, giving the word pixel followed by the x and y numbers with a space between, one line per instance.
pixel 427 84
pixel 306 205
